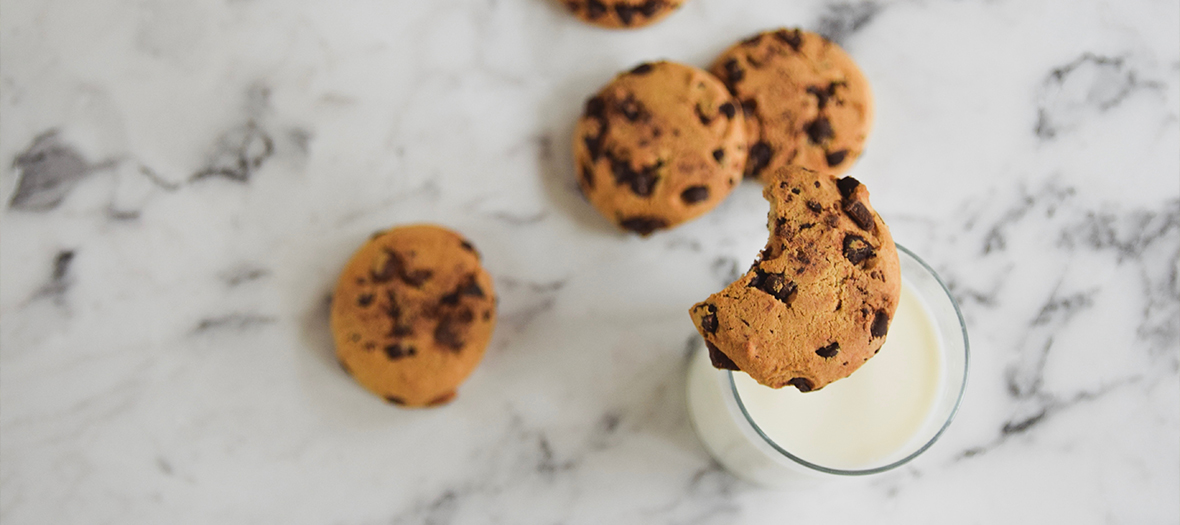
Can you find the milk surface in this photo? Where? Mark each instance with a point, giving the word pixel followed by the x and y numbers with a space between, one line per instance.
pixel 869 418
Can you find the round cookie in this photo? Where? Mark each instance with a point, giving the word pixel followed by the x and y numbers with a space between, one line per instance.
pixel 412 314
pixel 622 13
pixel 817 303
pixel 805 100
pixel 661 144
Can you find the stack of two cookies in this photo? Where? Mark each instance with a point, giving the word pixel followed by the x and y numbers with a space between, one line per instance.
pixel 664 143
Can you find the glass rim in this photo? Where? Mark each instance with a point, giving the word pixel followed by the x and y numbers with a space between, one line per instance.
pixel 892 465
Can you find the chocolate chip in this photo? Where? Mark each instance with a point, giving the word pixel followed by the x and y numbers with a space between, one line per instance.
pixel 802 383
pixel 594 144
pixel 466 245
pixel 752 41
pixel 695 194
pixel 356 338
pixel 829 351
pixel 880 324
pixel 728 110
pixel 859 214
pixel 733 71
pixel 344 366
pixel 595 9
pixel 719 359
pixel 749 106
pixel 448 332
pixel 806 226
pixel 487 315
pixel 396 266
pixel 643 225
pixel 364 300
pixel 796 191
pixel 642 69
pixel 819 130
pixel 626 13
pixel 815 207
pixel 719 154
pixel 396 351
pixel 836 158
pixel 831 220
pixel 588 176
pixel 632 109
pixel 759 159
pixel 709 320
pixel 369 345
pixel 775 285
pixel 792 38
pixel 857 249
pixel 401 330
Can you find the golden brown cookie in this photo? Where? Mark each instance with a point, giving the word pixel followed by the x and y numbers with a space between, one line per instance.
pixel 622 13
pixel 806 103
pixel 412 314
pixel 661 144
pixel 817 303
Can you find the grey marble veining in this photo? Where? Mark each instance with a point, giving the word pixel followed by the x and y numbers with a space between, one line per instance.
pixel 182 182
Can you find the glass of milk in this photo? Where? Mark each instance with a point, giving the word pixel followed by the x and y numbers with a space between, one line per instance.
pixel 885 414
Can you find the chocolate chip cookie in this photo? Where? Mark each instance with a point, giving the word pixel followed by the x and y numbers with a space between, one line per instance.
pixel 806 102
pixel 817 303
pixel 661 144
pixel 412 314
pixel 622 13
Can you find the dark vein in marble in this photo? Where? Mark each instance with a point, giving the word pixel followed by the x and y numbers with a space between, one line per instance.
pixel 242 274
pixel 845 19
pixel 232 322
pixel 49 169
pixel 239 154
pixel 59 279
pixel 726 269
pixel 1089 83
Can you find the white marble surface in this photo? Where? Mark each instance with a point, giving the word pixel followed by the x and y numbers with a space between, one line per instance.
pixel 182 180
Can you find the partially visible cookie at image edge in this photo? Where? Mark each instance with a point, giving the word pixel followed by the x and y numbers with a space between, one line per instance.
pixel 617 14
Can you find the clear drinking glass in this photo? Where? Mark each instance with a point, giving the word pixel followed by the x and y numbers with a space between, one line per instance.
pixel 736 441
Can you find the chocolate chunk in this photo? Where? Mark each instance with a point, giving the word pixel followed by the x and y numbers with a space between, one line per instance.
pixel 728 110
pixel 651 7
pixel 487 315
pixel 752 41
pixel 733 71
pixel 759 159
pixel 719 154
pixel 642 69
pixel 344 366
pixel 417 278
pixel 395 400
pixel 448 333
pixel 642 182
pixel 802 383
pixel 792 38
pixel 819 130
pixel 595 9
pixel 695 194
pixel 626 13
pixel 471 287
pixel 820 94
pixel 466 245
pixel 705 119
pixel 815 207
pixel 632 109
pixel 857 249
pixel 402 330
pixel 749 106
pixel 588 176
pixel 370 346
pixel 396 266
pixel 719 359
pixel 596 108
pixel 396 351
pixel 594 144
pixel 364 300
pixel 796 191
pixel 836 158
pixel 829 351
pixel 709 321
pixel 775 285
pixel 859 214
pixel 643 225
pixel 880 324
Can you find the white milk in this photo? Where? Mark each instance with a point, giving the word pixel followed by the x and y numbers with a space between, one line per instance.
pixel 868 418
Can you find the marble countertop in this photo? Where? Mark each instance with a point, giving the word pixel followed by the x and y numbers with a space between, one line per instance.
pixel 182 181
